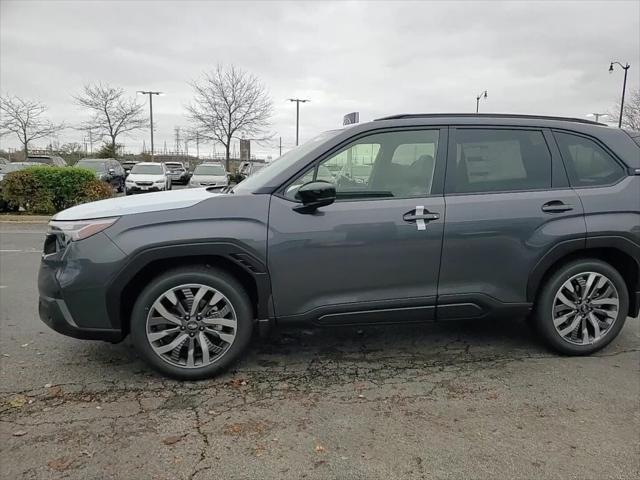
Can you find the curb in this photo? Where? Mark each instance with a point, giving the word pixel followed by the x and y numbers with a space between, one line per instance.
pixel 24 218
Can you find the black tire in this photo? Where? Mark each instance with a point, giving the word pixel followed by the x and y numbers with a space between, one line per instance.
pixel 218 279
pixel 543 316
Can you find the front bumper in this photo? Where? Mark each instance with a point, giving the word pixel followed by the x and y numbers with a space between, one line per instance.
pixel 143 190
pixel 55 314
pixel 72 289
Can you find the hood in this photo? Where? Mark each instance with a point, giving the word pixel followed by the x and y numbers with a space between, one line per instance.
pixel 149 202
pixel 209 178
pixel 145 177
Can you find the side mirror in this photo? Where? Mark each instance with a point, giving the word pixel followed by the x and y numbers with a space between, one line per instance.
pixel 314 195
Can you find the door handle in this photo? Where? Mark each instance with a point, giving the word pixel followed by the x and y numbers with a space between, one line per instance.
pixel 420 217
pixel 556 206
pixel 411 217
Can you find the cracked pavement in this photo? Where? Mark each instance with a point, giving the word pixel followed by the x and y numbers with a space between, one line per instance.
pixel 450 400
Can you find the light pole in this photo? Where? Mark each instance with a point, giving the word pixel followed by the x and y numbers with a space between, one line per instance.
pixel 298 101
pixel 480 95
pixel 143 92
pixel 624 87
pixel 597 115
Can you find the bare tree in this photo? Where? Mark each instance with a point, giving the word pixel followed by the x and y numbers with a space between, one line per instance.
pixel 631 112
pixel 25 119
pixel 230 102
pixel 112 113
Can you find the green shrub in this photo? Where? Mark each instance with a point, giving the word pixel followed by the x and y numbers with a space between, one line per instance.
pixel 51 189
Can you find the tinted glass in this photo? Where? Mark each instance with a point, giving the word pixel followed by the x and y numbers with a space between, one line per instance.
pixel 391 164
pixel 500 160
pixel 147 169
pixel 587 163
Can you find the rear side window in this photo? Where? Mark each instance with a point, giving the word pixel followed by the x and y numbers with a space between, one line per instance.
pixel 500 160
pixel 587 163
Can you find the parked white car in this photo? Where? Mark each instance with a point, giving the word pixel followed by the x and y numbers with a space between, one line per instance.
pixel 209 175
pixel 147 177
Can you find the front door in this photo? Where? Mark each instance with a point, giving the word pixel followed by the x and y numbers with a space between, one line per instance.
pixel 374 254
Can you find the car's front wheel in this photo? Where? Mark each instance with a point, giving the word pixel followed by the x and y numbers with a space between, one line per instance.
pixel 192 323
pixel 582 307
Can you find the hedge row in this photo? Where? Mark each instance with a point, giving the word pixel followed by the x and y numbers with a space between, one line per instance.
pixel 48 190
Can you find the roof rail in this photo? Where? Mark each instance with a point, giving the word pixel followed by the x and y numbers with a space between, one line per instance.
pixel 488 115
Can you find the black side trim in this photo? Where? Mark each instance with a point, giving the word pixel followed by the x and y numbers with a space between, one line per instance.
pixel 478 306
pixel 236 253
pixel 382 311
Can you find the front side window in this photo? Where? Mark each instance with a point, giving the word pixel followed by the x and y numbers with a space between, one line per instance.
pixel 499 160
pixel 587 163
pixel 390 164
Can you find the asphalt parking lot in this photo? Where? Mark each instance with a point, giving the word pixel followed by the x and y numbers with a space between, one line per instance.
pixel 480 400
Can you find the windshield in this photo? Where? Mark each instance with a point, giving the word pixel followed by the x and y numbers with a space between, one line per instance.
pixel 93 165
pixel 281 164
pixel 174 165
pixel 147 169
pixel 217 170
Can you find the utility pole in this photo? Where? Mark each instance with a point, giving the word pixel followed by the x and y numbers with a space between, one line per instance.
pixel 298 102
pixel 197 144
pixel 280 146
pixel 624 87
pixel 150 93
pixel 478 97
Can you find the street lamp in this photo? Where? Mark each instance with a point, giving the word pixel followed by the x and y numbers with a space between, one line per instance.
pixel 597 115
pixel 624 87
pixel 143 92
pixel 480 95
pixel 298 102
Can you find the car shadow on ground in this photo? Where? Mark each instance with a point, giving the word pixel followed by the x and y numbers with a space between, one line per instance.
pixel 437 341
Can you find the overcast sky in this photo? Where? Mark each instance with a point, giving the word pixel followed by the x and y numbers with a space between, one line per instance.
pixel 377 58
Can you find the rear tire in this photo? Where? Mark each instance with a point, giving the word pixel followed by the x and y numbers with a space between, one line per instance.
pixel 582 307
pixel 222 325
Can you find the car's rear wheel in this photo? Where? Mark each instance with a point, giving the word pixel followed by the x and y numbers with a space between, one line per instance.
pixel 192 323
pixel 582 307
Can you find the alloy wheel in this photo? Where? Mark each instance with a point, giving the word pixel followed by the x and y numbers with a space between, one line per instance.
pixel 585 308
pixel 191 325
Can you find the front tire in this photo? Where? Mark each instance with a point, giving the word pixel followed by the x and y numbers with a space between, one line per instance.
pixel 192 323
pixel 582 307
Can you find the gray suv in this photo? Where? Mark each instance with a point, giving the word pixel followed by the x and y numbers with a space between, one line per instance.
pixel 408 218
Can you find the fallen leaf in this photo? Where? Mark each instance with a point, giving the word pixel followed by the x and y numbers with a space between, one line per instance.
pixel 86 453
pixel 24 345
pixel 19 433
pixel 361 396
pixel 98 407
pixel 172 439
pixel 18 402
pixel 60 464
pixel 5 355
pixel 492 396
pixel 47 385
pixel 319 448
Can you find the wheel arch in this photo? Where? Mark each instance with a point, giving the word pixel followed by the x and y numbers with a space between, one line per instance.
pixel 237 261
pixel 621 253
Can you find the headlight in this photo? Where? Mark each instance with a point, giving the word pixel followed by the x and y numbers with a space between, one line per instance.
pixel 159 181
pixel 75 230
pixel 129 182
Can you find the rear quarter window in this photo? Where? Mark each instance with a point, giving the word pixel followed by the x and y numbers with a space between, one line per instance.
pixel 587 163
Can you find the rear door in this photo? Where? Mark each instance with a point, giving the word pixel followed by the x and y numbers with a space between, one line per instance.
pixel 374 254
pixel 508 203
